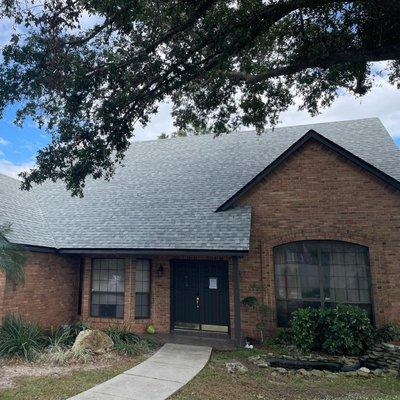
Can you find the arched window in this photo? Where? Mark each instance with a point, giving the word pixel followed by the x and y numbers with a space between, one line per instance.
pixel 321 273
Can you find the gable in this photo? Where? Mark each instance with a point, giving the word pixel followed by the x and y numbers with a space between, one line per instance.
pixel 311 135
pixel 316 191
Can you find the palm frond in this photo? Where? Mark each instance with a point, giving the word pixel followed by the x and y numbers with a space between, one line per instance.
pixel 12 258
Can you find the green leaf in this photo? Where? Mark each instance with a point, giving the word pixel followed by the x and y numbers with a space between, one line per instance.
pixel 12 257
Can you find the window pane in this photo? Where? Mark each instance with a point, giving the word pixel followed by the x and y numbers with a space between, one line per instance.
pixel 107 298
pixel 142 305
pixel 320 273
pixel 142 289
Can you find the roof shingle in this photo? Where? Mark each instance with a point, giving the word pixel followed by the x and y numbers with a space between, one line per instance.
pixel 166 194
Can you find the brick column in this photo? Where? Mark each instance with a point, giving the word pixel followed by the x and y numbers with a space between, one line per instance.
pixel 87 273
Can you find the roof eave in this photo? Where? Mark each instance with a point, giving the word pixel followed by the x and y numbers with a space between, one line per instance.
pixel 151 252
pixel 136 251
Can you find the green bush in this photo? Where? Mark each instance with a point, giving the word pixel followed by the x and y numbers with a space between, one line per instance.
pixel 387 333
pixel 65 335
pixel 284 337
pixel 127 342
pixel 348 330
pixel 343 330
pixel 19 338
pixel 303 327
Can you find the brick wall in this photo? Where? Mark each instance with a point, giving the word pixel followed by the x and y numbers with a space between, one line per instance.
pixel 318 195
pixel 160 295
pixel 49 295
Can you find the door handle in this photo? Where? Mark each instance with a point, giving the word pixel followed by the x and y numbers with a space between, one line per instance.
pixel 197 302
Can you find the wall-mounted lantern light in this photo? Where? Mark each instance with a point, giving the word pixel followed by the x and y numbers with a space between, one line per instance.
pixel 160 271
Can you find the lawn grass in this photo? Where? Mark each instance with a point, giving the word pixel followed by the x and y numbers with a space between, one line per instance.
pixel 57 388
pixel 214 382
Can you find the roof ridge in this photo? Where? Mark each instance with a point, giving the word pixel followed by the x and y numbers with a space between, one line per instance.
pixel 10 177
pixel 253 130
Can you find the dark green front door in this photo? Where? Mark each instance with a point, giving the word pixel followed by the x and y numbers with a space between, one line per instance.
pixel 200 295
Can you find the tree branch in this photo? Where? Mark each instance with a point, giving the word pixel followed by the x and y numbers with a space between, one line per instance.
pixel 353 56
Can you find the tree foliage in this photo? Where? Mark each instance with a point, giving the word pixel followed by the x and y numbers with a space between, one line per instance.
pixel 223 64
pixel 12 257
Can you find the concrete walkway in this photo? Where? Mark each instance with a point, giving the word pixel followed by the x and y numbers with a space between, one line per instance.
pixel 157 378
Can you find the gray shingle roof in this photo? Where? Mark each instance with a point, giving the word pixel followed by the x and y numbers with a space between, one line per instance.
pixel 166 194
pixel 21 209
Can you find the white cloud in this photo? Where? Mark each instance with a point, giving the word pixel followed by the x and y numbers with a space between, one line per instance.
pixel 383 102
pixel 11 169
pixel 3 141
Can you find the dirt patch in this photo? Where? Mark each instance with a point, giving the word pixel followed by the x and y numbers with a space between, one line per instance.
pixel 12 370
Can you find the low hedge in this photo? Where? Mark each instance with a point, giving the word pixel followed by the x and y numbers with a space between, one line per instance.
pixel 343 330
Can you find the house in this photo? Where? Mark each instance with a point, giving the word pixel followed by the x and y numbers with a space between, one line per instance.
pixel 189 227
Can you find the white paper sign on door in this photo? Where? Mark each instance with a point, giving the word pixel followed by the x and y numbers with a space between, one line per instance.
pixel 213 283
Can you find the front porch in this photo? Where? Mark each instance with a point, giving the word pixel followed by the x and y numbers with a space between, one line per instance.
pixel 187 298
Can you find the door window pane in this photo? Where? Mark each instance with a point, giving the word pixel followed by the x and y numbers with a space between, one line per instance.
pixel 320 273
pixel 107 297
pixel 142 289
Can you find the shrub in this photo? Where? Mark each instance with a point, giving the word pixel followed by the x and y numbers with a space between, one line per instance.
pixel 284 337
pixel 387 333
pixel 132 349
pixel 341 330
pixel 59 355
pixel 18 338
pixel 263 314
pixel 304 326
pixel 129 343
pixel 348 330
pixel 65 335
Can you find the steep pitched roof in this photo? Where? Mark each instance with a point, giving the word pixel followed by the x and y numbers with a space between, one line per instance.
pixel 21 209
pixel 166 195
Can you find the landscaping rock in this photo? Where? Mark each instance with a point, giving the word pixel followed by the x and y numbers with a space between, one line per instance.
pixel 392 372
pixel 364 372
pixel 262 364
pixel 236 366
pixel 94 340
pixel 303 372
pixel 253 359
pixel 317 372
pixel 383 356
pixel 281 370
pixel 378 372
